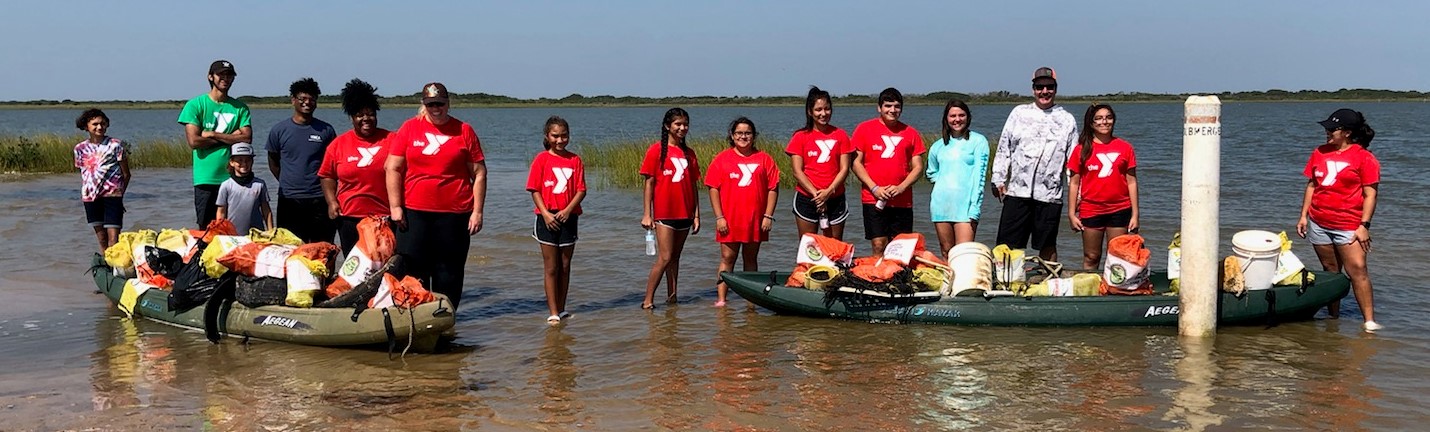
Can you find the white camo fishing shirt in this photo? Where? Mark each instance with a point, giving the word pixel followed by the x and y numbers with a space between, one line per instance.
pixel 1032 151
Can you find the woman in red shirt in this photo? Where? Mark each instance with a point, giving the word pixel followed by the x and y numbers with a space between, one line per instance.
pixel 671 205
pixel 353 172
pixel 436 188
pixel 820 154
pixel 1102 184
pixel 1342 180
pixel 744 185
pixel 557 182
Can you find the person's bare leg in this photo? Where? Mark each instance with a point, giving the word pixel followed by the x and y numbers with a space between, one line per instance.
pixel 1353 261
pixel 1330 263
pixel 728 253
pixel 964 232
pixel 672 271
pixel 947 236
pixel 1092 248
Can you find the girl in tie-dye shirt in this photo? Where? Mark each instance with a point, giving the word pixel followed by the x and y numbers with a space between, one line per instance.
pixel 103 163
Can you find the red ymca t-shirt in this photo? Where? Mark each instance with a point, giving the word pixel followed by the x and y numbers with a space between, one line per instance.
pixel 820 153
pixel 1103 177
pixel 744 183
pixel 438 178
pixel 558 178
pixel 675 181
pixel 358 166
pixel 888 156
pixel 1337 198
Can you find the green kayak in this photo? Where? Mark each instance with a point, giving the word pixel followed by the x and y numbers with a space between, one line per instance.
pixel 304 326
pixel 1280 303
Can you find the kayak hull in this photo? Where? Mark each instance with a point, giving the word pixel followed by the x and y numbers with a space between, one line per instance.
pixel 305 326
pixel 1278 304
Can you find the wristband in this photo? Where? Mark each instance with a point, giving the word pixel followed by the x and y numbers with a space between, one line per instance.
pixel 1365 224
pixel 771 218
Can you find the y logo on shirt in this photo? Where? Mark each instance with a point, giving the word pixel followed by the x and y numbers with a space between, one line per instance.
pixel 747 173
pixel 890 143
pixel 222 120
pixel 1333 169
pixel 563 177
pixel 368 154
pixel 679 172
pixel 825 146
pixel 434 143
pixel 1108 160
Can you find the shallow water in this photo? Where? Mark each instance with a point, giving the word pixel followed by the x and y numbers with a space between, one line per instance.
pixel 68 362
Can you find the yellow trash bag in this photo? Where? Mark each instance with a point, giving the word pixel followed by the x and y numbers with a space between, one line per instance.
pixel 120 255
pixel 220 247
pixel 1008 268
pixel 178 241
pixel 1288 266
pixel 276 236
pixel 1080 285
pixel 929 278
pixel 129 298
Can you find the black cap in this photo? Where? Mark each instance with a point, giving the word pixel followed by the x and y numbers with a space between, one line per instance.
pixel 218 67
pixel 1344 118
pixel 434 92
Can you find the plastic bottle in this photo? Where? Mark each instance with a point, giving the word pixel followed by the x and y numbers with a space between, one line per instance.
pixel 650 242
pixel 880 204
pixel 823 222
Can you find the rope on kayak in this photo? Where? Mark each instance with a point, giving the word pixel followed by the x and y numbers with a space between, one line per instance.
pixel 391 335
pixel 1270 308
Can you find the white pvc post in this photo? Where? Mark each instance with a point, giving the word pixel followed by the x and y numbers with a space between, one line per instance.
pixel 1201 179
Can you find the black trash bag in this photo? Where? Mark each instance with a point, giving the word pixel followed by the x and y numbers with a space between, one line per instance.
pixel 260 291
pixel 193 286
pixel 163 261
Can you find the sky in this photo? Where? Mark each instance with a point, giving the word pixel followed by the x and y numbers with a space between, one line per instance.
pixel 160 50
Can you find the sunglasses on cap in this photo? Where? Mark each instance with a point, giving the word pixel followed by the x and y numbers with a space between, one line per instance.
pixel 1045 86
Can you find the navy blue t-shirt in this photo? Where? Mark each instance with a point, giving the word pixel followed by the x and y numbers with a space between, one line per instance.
pixel 300 151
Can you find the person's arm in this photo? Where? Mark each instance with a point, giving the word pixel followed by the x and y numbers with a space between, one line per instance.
pixel 244 134
pixel 1003 157
pixel 863 175
pixel 1074 198
pixel 916 170
pixel 124 168
pixel 565 213
pixel 479 195
pixel 396 168
pixel 796 163
pixel 222 212
pixel 647 194
pixel 1370 193
pixel 199 139
pixel 845 160
pixel 275 160
pixel 1305 208
pixel 1132 195
pixel 330 193
pixel 721 225
pixel 932 171
pixel 767 220
pixel 545 213
pixel 267 213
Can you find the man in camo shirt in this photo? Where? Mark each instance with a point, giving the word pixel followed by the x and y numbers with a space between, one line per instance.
pixel 1028 168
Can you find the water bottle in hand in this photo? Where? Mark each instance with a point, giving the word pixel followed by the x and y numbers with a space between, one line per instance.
pixel 650 242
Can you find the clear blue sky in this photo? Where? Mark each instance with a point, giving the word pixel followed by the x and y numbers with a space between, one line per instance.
pixel 160 49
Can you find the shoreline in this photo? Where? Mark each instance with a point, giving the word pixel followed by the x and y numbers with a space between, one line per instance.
pixel 1064 100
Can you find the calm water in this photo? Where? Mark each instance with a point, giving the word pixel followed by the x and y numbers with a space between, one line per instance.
pixel 67 362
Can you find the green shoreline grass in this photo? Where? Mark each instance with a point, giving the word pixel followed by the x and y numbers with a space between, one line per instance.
pixel 54 153
pixel 620 162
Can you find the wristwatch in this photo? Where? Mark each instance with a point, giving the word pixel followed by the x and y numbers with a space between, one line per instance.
pixel 1365 224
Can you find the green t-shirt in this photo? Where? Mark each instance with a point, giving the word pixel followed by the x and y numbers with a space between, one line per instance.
pixel 211 164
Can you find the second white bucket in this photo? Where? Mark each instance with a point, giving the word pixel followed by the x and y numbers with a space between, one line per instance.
pixel 1257 251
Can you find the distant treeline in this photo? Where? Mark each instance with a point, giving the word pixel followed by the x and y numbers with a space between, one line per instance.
pixel 935 98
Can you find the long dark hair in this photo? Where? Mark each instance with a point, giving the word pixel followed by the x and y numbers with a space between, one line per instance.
pixel 670 116
pixel 546 130
pixel 1084 139
pixel 815 94
pixel 755 133
pixel 948 133
pixel 1362 135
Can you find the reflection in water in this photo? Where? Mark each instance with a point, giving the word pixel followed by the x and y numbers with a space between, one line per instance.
pixel 1192 404
pixel 556 373
pixel 670 395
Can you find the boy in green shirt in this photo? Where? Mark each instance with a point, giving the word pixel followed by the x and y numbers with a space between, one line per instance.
pixel 212 122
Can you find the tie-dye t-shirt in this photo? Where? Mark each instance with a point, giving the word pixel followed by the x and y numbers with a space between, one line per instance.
pixel 99 168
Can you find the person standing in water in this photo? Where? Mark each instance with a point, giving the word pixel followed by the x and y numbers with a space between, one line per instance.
pixel 103 163
pixel 295 154
pixel 212 122
pixel 957 167
pixel 744 187
pixel 670 200
pixel 888 161
pixel 1028 168
pixel 353 171
pixel 557 182
pixel 1343 178
pixel 820 155
pixel 1102 185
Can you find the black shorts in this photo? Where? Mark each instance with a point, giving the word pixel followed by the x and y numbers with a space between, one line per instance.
pixel 1117 219
pixel 347 232
pixel 889 222
pixel 836 209
pixel 564 235
pixel 205 204
pixel 107 212
pixel 1026 216
pixel 677 224
pixel 307 218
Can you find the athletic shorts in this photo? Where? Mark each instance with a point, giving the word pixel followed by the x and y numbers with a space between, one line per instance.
pixel 107 212
pixel 1023 217
pixel 1321 236
pixel 1117 219
pixel 889 222
pixel 564 235
pixel 677 224
pixel 836 209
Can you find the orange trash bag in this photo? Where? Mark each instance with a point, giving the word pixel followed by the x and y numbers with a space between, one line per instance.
pixel 874 269
pixel 217 227
pixel 1126 272
pixel 258 260
pixel 796 278
pixel 376 243
pixel 406 293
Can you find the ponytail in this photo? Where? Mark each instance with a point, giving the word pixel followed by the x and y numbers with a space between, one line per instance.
pixel 1362 135
pixel 815 94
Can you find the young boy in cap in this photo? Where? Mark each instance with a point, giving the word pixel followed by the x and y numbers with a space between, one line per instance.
pixel 1028 168
pixel 212 122
pixel 243 198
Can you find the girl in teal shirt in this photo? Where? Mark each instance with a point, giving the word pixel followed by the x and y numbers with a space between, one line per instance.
pixel 957 166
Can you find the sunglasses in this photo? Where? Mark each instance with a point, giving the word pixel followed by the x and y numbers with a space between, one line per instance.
pixel 1045 86
pixel 435 104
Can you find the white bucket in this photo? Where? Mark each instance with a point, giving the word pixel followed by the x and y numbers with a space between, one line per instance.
pixel 1257 252
pixel 972 265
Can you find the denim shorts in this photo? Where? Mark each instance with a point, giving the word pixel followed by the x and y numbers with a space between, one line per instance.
pixel 1319 235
